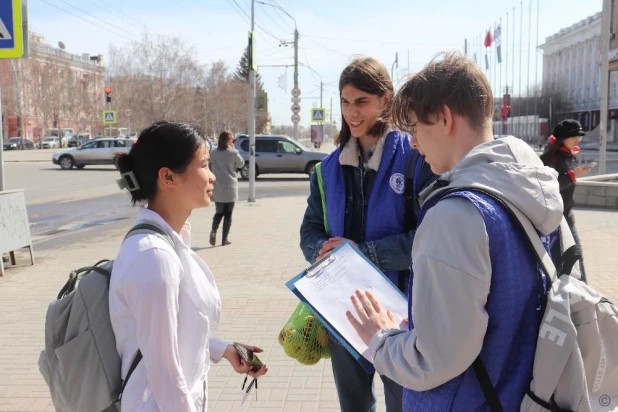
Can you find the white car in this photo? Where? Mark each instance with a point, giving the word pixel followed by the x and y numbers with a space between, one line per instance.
pixel 96 152
pixel 50 142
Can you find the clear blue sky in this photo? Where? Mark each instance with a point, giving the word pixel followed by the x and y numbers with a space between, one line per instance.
pixel 331 33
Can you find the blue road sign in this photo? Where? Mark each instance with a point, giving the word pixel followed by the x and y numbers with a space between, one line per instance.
pixel 318 115
pixel 11 30
pixel 109 117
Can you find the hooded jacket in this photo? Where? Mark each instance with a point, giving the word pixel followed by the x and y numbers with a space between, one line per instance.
pixel 457 312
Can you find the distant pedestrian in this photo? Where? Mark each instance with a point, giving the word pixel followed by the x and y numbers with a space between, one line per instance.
pixel 561 154
pixel 225 161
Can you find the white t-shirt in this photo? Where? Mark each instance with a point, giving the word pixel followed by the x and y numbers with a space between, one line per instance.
pixel 166 303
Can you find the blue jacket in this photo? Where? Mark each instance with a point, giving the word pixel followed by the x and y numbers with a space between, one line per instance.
pixel 391 251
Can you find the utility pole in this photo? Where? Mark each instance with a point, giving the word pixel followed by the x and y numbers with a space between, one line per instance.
pixel 252 107
pixel 1 148
pixel 605 31
pixel 395 64
pixel 321 92
pixel 331 119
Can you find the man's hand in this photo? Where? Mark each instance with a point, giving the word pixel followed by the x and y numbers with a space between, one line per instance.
pixel 239 364
pixel 373 317
pixel 332 243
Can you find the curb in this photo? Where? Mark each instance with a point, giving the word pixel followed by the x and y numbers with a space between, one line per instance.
pixel 26 161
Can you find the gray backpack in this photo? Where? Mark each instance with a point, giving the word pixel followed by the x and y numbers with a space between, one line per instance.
pixel 576 359
pixel 80 363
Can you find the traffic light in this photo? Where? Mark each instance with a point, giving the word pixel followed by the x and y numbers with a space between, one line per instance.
pixel 108 94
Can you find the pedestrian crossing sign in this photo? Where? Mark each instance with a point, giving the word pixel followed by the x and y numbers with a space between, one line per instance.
pixel 109 117
pixel 11 30
pixel 318 115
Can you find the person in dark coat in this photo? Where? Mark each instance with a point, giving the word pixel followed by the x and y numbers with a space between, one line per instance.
pixel 560 155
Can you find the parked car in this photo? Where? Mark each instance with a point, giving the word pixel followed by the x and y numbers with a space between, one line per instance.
pixel 96 152
pixel 277 154
pixel 78 140
pixel 50 142
pixel 18 143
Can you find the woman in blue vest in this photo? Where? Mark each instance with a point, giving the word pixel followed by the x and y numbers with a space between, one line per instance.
pixel 357 193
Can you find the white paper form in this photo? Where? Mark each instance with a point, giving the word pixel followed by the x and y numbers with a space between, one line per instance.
pixel 328 287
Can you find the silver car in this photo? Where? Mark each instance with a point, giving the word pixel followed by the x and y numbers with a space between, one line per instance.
pixel 50 142
pixel 277 154
pixel 96 152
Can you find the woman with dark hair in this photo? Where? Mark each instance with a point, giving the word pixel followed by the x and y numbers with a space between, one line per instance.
pixel 560 154
pixel 225 161
pixel 163 299
pixel 357 193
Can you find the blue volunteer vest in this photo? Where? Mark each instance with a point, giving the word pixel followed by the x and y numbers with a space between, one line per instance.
pixel 513 305
pixel 386 209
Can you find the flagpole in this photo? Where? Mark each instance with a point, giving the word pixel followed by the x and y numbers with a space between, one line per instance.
pixel 528 131
pixel 499 62
pixel 536 68
pixel 521 45
pixel 513 76
pixel 495 62
pixel 506 65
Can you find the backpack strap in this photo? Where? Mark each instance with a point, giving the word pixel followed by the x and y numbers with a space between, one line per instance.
pixel 410 188
pixel 490 393
pixel 149 229
pixel 136 360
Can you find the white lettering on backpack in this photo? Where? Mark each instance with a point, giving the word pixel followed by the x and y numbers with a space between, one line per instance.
pixel 554 333
pixel 600 375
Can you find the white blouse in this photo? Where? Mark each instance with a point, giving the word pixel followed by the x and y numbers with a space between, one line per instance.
pixel 166 303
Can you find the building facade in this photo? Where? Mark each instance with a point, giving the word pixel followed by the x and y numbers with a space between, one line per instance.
pixel 572 71
pixel 51 89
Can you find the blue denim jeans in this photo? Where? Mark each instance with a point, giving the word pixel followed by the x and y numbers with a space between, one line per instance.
pixel 355 386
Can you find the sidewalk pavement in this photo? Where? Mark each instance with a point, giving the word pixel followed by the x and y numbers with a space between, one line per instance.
pixel 251 275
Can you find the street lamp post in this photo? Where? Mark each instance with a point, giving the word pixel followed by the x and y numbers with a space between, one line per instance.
pixel 284 43
pixel 252 108
pixel 395 64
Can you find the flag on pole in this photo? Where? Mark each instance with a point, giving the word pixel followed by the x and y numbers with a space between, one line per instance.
pixel 487 44
pixel 488 39
pixel 282 81
pixel 498 41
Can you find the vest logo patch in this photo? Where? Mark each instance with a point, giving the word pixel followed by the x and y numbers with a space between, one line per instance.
pixel 397 182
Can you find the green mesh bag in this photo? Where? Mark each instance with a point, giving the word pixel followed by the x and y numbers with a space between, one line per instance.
pixel 304 337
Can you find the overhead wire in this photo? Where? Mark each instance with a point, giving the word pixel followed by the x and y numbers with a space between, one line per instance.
pixel 267 13
pixel 285 21
pixel 86 20
pixel 101 20
pixel 326 48
pixel 114 12
pixel 243 11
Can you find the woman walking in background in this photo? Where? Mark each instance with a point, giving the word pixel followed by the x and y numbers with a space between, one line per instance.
pixel 224 163
pixel 560 155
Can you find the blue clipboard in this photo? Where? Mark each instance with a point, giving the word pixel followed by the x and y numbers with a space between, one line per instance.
pixel 368 366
